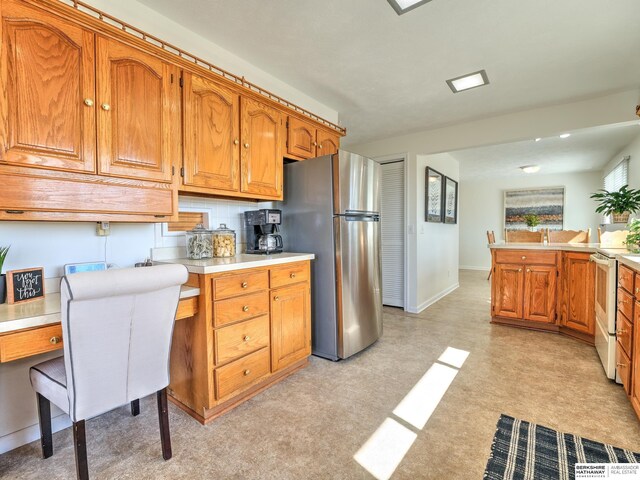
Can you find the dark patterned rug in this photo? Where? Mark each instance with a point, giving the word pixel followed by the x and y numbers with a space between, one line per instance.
pixel 523 450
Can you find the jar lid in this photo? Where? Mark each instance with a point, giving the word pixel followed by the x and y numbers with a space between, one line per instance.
pixel 199 228
pixel 223 229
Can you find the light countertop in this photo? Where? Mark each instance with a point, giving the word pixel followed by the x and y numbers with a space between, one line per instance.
pixel 239 262
pixel 631 260
pixel 565 247
pixel 46 311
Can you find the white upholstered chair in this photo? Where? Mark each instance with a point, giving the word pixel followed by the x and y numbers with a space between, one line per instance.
pixel 117 327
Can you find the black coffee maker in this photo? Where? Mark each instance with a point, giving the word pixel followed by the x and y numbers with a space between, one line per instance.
pixel 261 231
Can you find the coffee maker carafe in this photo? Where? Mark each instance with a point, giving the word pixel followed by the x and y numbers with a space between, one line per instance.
pixel 261 231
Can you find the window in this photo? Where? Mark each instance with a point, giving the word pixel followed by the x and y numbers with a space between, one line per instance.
pixel 618 177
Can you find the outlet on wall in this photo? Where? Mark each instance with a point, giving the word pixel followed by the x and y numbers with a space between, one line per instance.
pixel 103 229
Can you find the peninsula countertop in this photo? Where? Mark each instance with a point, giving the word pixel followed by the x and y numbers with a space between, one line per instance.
pixel 565 247
pixel 238 262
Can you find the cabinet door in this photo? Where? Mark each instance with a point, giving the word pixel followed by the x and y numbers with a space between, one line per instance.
pixel 301 138
pixel 579 292
pixel 509 282
pixel 211 135
pixel 138 113
pixel 635 369
pixel 47 117
pixel 290 325
pixel 328 143
pixel 540 293
pixel 261 157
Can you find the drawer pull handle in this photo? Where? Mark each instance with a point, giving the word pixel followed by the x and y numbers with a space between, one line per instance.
pixel 247 372
pixel 621 332
pixel 246 338
pixel 621 365
pixel 244 285
pixel 245 308
pixel 523 257
pixel 293 275
pixel 637 289
pixel 55 340
pixel 276 298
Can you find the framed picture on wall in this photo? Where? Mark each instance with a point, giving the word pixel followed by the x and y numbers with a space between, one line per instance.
pixel 433 207
pixel 450 201
pixel 545 203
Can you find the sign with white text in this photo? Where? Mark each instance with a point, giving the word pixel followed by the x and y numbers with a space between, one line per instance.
pixel 25 285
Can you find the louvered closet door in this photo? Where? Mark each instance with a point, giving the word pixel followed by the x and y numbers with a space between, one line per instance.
pixel 392 227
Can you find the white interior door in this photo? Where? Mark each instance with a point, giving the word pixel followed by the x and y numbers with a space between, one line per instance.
pixel 392 229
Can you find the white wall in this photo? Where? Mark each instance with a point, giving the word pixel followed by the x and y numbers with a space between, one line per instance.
pixel 482 209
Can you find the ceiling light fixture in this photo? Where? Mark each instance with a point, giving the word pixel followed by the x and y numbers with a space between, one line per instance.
pixel 471 80
pixel 538 139
pixel 530 168
pixel 565 135
pixel 403 6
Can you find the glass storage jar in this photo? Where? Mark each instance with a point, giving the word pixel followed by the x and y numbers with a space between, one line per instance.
pixel 199 243
pixel 224 242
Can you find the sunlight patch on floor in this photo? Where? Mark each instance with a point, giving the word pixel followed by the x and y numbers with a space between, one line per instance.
pixel 454 357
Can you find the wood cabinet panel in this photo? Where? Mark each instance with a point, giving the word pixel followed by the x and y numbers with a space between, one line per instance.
pixel 625 278
pixel 328 143
pixel 240 283
pixel 46 72
pixel 290 325
pixel 138 110
pixel 508 290
pixel 240 308
pixel 526 257
pixel 625 303
pixel 211 135
pixel 237 340
pixel 540 293
pixel 623 365
pixel 579 292
pixel 261 153
pixel 624 333
pixel 241 373
pixel 635 371
pixel 301 138
pixel 31 342
pixel 636 287
pixel 289 274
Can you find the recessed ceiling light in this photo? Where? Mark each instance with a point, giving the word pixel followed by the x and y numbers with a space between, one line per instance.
pixel 538 139
pixel 471 80
pixel 403 6
pixel 565 135
pixel 530 168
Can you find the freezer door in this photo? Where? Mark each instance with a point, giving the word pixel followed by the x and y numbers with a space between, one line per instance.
pixel 355 183
pixel 358 277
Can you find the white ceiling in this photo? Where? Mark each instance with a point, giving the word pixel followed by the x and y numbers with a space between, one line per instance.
pixel 386 73
pixel 585 150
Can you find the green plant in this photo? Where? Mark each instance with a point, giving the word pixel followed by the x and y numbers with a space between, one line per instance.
pixel 633 237
pixel 624 200
pixel 532 220
pixel 3 255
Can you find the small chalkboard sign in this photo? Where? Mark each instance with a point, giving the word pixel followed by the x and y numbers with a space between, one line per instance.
pixel 25 285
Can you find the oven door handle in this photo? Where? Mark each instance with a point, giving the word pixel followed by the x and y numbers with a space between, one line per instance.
pixel 599 261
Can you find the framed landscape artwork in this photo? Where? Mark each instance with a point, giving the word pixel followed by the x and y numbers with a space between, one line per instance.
pixel 433 196
pixel 547 203
pixel 450 201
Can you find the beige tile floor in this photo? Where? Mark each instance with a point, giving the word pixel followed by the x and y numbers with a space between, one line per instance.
pixel 312 424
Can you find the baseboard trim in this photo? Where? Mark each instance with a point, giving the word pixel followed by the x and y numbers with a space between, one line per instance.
pixel 426 304
pixel 32 433
pixel 474 267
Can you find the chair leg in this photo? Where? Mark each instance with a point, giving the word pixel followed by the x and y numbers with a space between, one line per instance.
pixel 135 408
pixel 80 447
pixel 44 415
pixel 163 416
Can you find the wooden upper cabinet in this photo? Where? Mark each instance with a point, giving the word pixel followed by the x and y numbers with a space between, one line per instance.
pixel 508 290
pixel 211 135
pixel 138 110
pixel 301 138
pixel 579 292
pixel 47 75
pixel 540 293
pixel 328 143
pixel 290 325
pixel 261 153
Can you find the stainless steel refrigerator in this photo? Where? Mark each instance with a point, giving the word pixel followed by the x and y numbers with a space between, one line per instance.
pixel 331 208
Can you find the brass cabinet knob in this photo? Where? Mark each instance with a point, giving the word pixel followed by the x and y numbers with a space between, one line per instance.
pixel 523 257
pixel 246 338
pixel 246 372
pixel 519 270
pixel 528 270
pixel 621 365
pixel 236 142
pixel 55 340
pixel 637 289
pixel 293 275
pixel 245 308
pixel 621 332
pixel 244 284
pixel 106 107
pixel 246 145
pixel 88 102
pixel 315 144
pixel 319 145
pixel 276 298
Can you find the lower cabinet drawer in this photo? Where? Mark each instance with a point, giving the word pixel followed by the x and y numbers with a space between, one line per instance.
pixel 240 308
pixel 289 274
pixel 237 340
pixel 623 366
pixel 625 303
pixel 624 333
pixel 526 257
pixel 31 342
pixel 241 373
